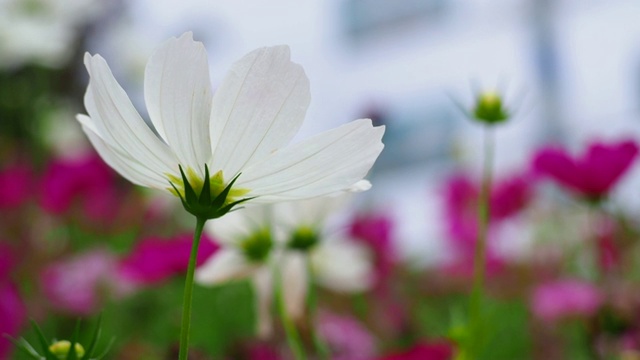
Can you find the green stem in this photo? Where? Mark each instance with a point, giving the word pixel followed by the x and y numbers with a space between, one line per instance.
pixel 312 303
pixel 480 256
pixel 293 338
pixel 188 291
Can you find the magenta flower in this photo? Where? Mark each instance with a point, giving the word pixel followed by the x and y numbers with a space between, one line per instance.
pixel 154 259
pixel 262 352
pixel 560 299
pixel 347 338
pixel 77 285
pixel 16 185
pixel 13 313
pixel 508 197
pixel 591 175
pixel 441 350
pixel 376 231
pixel 87 181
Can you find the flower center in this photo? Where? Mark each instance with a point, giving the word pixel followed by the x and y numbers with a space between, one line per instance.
pixel 257 246
pixel 303 239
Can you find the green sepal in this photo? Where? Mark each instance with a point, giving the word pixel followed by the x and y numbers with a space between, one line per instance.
pixel 202 206
pixel 189 194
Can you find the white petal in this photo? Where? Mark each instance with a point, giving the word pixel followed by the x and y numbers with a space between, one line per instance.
pixel 122 163
pixel 257 109
pixel 117 122
pixel 263 286
pixel 360 186
pixel 324 164
pixel 312 212
pixel 225 265
pixel 342 266
pixel 177 91
pixel 239 224
pixel 293 267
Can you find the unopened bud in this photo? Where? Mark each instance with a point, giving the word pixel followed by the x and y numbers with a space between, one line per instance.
pixel 61 349
pixel 489 108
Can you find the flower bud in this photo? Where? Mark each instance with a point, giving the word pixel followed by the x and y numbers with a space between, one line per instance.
pixel 61 349
pixel 489 108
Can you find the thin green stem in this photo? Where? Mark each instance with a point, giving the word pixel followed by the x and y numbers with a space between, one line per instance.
pixel 312 305
pixel 188 291
pixel 480 255
pixel 293 337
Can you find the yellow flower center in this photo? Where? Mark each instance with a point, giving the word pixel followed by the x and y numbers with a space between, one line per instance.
pixel 216 185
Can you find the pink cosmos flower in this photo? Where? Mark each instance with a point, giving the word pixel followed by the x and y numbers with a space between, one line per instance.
pixel 87 181
pixel 559 299
pixel 154 259
pixel 77 285
pixel 592 174
pixel 347 339
pixel 16 185
pixel 508 197
pixel 375 231
pixel 441 350
pixel 262 352
pixel 13 313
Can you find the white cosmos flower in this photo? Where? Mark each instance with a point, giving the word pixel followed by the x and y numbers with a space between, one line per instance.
pixel 243 128
pixel 337 263
pixel 42 31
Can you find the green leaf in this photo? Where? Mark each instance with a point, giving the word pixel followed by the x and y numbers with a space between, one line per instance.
pixel 106 350
pixel 94 339
pixel 43 342
pixel 73 355
pixel 23 345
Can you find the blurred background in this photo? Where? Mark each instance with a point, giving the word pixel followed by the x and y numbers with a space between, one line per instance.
pixel 569 71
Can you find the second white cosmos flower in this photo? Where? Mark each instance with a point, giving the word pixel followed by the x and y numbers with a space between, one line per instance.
pixel 241 130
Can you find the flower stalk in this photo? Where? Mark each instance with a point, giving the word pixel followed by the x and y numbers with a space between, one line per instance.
pixel 293 337
pixel 480 254
pixel 188 291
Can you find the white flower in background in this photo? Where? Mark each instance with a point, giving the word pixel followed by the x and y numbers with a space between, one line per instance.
pixel 313 243
pixel 240 131
pixel 42 31
pixel 248 252
pixel 300 240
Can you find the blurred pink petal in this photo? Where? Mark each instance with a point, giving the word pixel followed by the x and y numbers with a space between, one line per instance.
pixel 565 298
pixel 376 231
pixel 154 259
pixel 441 350
pixel 7 260
pixel 13 315
pixel 263 352
pixel 16 185
pixel 13 312
pixel 347 338
pixel 594 173
pixel 509 196
pixel 77 285
pixel 87 181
